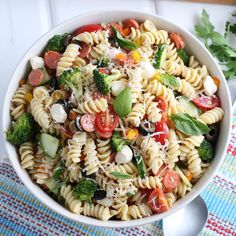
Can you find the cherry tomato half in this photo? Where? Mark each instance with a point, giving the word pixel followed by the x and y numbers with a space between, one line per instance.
pixel 162 104
pixel 88 28
pixel 106 121
pixel 177 40
pixel 171 180
pixel 162 127
pixel 131 23
pixel 157 201
pixel 84 50
pixel 103 134
pixel 207 102
pixel 162 170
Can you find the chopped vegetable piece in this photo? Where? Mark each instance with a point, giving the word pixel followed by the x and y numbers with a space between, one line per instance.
pixel 104 62
pixel 85 189
pixel 122 103
pixel 103 80
pixel 28 96
pixel 72 115
pixel 119 175
pixel 140 165
pixel 216 81
pixel 171 180
pixel 49 144
pixel 213 134
pixel 169 81
pixel 188 125
pixel 88 28
pixel 163 131
pixel 56 43
pixel 23 130
pixel 124 43
pixel 136 56
pixel 157 201
pixel 131 23
pixel 103 134
pixel 117 141
pixel 160 57
pixel 207 103
pixel 132 134
pixel 206 151
pixel 183 55
pixel 177 40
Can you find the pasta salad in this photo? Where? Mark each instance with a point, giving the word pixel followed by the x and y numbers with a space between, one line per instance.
pixel 116 120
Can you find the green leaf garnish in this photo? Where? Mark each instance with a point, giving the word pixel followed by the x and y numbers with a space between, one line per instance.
pixel 119 175
pixel 124 43
pixel 183 55
pixel 189 125
pixel 169 80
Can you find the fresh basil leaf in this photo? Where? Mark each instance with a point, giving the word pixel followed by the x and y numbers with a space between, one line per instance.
pixel 183 55
pixel 188 125
pixel 140 165
pixel 124 43
pixel 169 80
pixel 119 175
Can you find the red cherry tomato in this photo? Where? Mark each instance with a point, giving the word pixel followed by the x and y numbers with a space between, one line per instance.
pixel 106 121
pixel 98 95
pixel 51 58
pixel 103 134
pixel 87 122
pixel 146 191
pixel 162 104
pixel 36 77
pixel 177 40
pixel 88 28
pixel 162 127
pixel 131 23
pixel 157 201
pixel 207 103
pixel 84 50
pixel 103 71
pixel 171 180
pixel 117 26
pixel 162 170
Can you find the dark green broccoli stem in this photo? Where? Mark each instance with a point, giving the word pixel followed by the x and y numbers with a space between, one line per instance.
pixel 206 151
pixel 117 141
pixel 56 43
pixel 85 189
pixel 103 81
pixel 23 130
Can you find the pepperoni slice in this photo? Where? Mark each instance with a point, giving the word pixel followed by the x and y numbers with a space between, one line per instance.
pixel 131 23
pixel 88 28
pixel 36 77
pixel 51 58
pixel 87 122
pixel 84 50
pixel 170 181
pixel 177 40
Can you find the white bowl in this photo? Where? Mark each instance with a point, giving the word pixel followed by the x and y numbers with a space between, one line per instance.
pixel 193 46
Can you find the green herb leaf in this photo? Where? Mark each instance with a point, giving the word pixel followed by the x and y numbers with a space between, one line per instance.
pixel 124 43
pixel 183 55
pixel 140 165
pixel 119 175
pixel 188 125
pixel 122 103
pixel 169 80
pixel 206 22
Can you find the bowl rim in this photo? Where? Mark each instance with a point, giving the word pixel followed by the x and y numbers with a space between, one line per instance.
pixel 35 189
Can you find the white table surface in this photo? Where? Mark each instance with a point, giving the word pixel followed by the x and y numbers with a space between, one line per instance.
pixel 23 22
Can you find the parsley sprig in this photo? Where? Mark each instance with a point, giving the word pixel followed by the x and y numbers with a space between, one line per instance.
pixel 218 44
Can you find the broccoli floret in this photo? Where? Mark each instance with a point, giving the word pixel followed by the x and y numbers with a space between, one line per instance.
pixel 56 43
pixel 117 141
pixel 23 130
pixel 71 79
pixel 85 189
pixel 103 81
pixel 104 62
pixel 206 151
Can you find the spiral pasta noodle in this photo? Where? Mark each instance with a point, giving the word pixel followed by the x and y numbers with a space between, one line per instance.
pixel 104 150
pixel 212 116
pixel 194 164
pixel 67 59
pixel 150 182
pixel 26 151
pixel 93 37
pixel 139 211
pixel 92 106
pixel 79 62
pixel 137 113
pixel 99 50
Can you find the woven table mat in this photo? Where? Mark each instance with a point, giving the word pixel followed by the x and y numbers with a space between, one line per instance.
pixel 22 214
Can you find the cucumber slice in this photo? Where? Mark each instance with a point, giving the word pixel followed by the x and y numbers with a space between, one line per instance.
pixel 160 57
pixel 189 107
pixel 53 186
pixel 140 166
pixel 49 144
